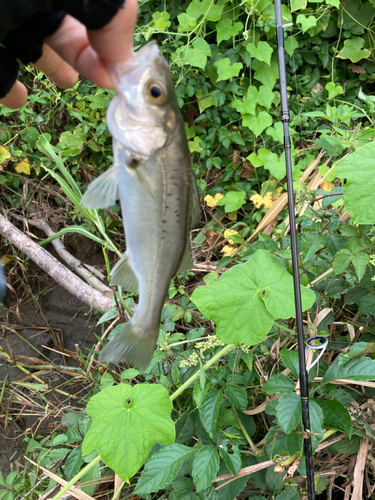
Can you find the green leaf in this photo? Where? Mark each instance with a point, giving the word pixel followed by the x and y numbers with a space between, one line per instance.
pixel 205 467
pixel 276 165
pixel 366 305
pixel 226 29
pixel 232 460
pixel 358 169
pixel 361 368
pixel 126 423
pixel 232 201
pixel 30 135
pixel 278 384
pixel 186 22
pixel 247 104
pixel 209 494
pixel 289 412
pixel 226 70
pixel 257 123
pixel 266 96
pixel 333 91
pixel 353 50
pixel 341 261
pixel 262 51
pixel 287 495
pixel 196 54
pixel 248 297
pixel 92 476
pixel 306 22
pixel 236 395
pixel 336 416
pixel 73 463
pixel 267 74
pixel 291 44
pixel 209 410
pixel 129 374
pixel 162 468
pixel 185 428
pixel 290 360
pixel 316 422
pixel 360 261
pixel 334 3
pixel 297 5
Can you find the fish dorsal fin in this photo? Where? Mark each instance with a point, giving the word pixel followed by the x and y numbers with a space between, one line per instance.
pixel 123 275
pixel 187 262
pixel 103 191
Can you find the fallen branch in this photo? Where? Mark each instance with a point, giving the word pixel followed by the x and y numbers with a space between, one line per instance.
pixel 74 264
pixel 359 470
pixel 54 268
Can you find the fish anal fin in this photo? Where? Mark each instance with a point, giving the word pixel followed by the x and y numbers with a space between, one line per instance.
pixel 123 275
pixel 103 191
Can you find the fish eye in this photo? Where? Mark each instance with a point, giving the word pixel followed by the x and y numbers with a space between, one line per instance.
pixel 156 92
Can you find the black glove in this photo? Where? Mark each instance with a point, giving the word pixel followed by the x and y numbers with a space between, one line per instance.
pixel 25 23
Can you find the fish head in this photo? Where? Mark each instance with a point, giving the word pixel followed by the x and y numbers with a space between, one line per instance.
pixel 143 113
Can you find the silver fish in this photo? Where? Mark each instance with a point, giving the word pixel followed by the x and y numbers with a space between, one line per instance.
pixel 153 178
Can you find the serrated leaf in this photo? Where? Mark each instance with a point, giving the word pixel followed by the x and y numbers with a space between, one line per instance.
pixel 208 494
pixel 341 261
pixel 248 297
pixel 236 395
pixel 162 468
pixel 73 463
pixel 226 70
pixel 366 304
pixel 360 261
pixel 257 123
pixel 126 423
pixel 205 467
pixel 226 29
pixel 232 460
pixel 336 416
pixel 316 422
pixel 361 368
pixel 353 50
pixel 289 412
pixel 196 54
pixel 288 495
pixel 262 51
pixel 278 384
pixel 209 410
pixel 185 428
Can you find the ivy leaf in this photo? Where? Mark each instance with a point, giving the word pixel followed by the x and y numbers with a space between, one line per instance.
pixel 306 21
pixel 186 22
pixel 226 70
pixel 257 123
pixel 361 368
pixel 358 169
pixel 353 50
pixel 297 5
pixel 264 73
pixel 162 468
pixel 335 3
pixel 196 54
pixel 248 103
pixel 232 201
pixel 266 96
pixel 236 395
pixel 209 410
pixel 336 416
pixel 248 297
pixel 333 91
pixel 278 384
pixel 276 165
pixel 289 412
pixel 198 8
pixel 225 29
pixel 262 51
pixel 126 423
pixel 205 467
pixel 291 44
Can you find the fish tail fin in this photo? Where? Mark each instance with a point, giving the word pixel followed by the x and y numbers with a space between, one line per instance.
pixel 131 344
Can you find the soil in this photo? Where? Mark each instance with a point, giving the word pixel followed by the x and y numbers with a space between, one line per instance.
pixel 39 317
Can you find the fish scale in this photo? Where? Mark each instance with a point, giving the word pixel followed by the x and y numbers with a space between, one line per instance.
pixel 153 178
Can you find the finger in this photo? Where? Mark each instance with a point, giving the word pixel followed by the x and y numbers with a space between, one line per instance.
pixel 70 41
pixel 114 42
pixel 16 97
pixel 56 69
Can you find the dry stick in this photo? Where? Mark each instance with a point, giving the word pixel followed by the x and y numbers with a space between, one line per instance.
pixel 54 268
pixel 359 469
pixel 72 262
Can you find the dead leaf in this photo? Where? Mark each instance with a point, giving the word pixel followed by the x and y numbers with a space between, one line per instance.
pixel 23 167
pixel 265 201
pixel 247 170
pixel 228 233
pixel 211 201
pixel 227 250
pixel 326 185
pixel 4 154
pixel 357 69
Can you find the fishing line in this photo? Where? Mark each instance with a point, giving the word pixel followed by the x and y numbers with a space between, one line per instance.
pixel 303 376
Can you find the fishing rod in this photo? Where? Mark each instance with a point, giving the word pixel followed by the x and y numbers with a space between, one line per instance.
pixel 303 376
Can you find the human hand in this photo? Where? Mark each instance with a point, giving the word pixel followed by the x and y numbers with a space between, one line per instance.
pixel 72 49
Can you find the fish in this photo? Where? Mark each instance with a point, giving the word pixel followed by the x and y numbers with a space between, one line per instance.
pixel 154 180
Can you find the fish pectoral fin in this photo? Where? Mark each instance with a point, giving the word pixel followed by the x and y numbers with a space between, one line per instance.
pixel 103 191
pixel 123 275
pixel 187 262
pixel 137 168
